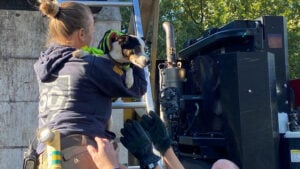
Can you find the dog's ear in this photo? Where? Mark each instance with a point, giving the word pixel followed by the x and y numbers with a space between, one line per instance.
pixel 123 39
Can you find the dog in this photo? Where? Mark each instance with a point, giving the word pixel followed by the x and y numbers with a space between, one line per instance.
pixel 123 50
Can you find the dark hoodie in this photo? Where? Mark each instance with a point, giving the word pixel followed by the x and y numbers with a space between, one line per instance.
pixel 76 93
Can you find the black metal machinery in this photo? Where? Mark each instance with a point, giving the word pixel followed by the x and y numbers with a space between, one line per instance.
pixel 221 95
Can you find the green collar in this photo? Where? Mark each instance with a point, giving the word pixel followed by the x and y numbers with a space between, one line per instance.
pixel 99 52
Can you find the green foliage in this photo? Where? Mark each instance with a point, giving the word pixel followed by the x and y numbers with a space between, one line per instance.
pixel 126 14
pixel 192 17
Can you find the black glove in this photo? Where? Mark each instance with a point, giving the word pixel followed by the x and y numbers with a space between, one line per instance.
pixel 136 140
pixel 157 131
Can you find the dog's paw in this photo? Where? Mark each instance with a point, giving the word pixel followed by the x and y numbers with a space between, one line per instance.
pixel 79 53
pixel 129 78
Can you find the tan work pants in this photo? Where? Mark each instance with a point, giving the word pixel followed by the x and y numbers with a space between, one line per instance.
pixel 74 156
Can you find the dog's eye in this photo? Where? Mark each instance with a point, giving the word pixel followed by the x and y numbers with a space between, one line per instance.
pixel 129 52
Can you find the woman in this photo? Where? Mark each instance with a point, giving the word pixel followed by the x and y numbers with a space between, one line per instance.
pixel 75 93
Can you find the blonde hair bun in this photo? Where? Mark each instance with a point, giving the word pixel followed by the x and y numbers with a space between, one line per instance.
pixel 49 8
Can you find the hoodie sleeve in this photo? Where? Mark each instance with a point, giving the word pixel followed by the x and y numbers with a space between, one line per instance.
pixel 140 84
pixel 101 73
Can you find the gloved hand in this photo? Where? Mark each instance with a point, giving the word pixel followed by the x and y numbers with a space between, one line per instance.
pixel 157 131
pixel 136 140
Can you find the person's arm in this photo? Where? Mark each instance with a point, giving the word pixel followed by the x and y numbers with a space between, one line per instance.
pixel 105 157
pixel 140 84
pixel 102 73
pixel 171 160
pixel 139 144
pixel 224 164
pixel 157 131
pixel 161 139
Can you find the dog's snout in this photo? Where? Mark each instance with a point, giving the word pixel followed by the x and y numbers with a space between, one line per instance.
pixel 148 62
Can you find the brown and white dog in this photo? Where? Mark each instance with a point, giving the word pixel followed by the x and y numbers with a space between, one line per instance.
pixel 129 49
pixel 123 50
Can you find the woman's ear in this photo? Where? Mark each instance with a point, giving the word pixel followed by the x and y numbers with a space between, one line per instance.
pixel 81 34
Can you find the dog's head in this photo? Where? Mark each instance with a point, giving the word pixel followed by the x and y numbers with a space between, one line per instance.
pixel 125 49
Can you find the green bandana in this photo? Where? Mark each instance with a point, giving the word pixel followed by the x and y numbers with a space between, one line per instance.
pixel 104 45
